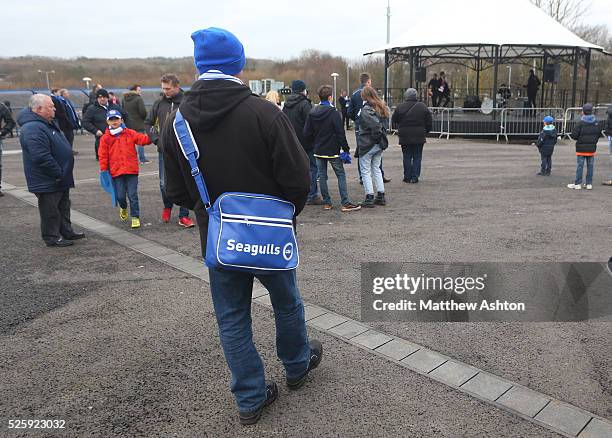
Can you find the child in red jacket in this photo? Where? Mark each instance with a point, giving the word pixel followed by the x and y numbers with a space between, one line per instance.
pixel 117 154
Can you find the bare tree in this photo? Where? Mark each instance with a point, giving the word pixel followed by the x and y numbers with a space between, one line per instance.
pixel 567 12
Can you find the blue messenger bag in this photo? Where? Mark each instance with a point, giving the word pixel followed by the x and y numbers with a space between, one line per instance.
pixel 246 231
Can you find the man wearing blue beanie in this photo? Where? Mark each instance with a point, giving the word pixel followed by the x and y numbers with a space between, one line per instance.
pixel 246 144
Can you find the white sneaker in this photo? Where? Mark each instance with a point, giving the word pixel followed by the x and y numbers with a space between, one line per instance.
pixel 589 186
pixel 574 186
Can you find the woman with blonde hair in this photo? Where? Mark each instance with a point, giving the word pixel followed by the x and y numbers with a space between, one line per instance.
pixel 373 124
pixel 273 97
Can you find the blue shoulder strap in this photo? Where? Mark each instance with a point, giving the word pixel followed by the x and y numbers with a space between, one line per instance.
pixel 191 152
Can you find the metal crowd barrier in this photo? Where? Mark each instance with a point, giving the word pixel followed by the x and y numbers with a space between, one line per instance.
pixel 472 122
pixel 528 121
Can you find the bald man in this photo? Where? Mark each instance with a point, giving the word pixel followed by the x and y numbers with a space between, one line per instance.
pixel 48 163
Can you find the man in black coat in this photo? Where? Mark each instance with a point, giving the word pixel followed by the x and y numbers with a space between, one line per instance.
pixel 246 144
pixel 297 107
pixel 94 119
pixel 343 102
pixel 7 124
pixel 414 121
pixel 533 84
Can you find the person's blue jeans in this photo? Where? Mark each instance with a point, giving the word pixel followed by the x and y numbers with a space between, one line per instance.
pixel 183 212
pixel 580 166
pixel 231 294
pixel 370 170
pixel 141 153
pixel 314 189
pixel 127 184
pixel 413 156
pixel 609 139
pixel 336 164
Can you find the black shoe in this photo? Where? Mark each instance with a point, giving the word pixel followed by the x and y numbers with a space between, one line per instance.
pixel 414 180
pixel 541 173
pixel 316 354
pixel 380 199
pixel 369 202
pixel 75 236
pixel 386 180
pixel 60 242
pixel 406 180
pixel 253 417
pixel 1 194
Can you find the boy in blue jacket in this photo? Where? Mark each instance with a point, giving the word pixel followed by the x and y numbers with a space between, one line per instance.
pixel 546 145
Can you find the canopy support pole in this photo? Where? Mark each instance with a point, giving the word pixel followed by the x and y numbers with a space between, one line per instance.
pixel 411 68
pixel 478 65
pixel 587 66
pixel 544 64
pixel 575 76
pixel 386 94
pixel 495 69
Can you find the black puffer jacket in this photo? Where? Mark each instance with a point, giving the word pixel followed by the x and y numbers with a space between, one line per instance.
pixel 7 124
pixel 547 140
pixel 324 130
pixel 246 145
pixel 95 118
pixel 586 133
pixel 413 120
pixel 372 130
pixel 134 105
pixel 609 122
pixel 297 107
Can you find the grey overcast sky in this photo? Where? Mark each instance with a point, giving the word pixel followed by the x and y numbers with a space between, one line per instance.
pixel 267 28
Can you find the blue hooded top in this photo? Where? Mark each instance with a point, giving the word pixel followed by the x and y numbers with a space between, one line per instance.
pixel 47 155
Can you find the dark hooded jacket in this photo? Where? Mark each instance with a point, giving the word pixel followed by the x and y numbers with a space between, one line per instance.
pixel 297 107
pixel 586 133
pixel 134 105
pixel 609 122
pixel 155 121
pixel 547 140
pixel 324 130
pixel 47 154
pixel 413 120
pixel 7 124
pixel 246 144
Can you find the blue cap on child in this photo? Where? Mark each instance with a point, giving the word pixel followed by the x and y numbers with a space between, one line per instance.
pixel 548 119
pixel 112 114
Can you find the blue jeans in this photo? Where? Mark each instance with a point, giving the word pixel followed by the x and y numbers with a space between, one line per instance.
pixel 336 164
pixel 183 212
pixel 0 163
pixel 413 155
pixel 370 169
pixel 231 294
pixel 609 139
pixel 141 153
pixel 314 189
pixel 127 184
pixel 579 167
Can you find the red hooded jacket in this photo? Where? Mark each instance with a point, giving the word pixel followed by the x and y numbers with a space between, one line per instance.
pixel 118 153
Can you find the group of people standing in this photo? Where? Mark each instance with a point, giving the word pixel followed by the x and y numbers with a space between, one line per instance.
pixel 439 90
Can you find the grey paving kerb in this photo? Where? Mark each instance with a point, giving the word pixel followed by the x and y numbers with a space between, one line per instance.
pixel 531 405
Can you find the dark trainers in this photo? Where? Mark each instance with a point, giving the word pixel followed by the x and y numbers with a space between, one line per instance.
pixel 253 417
pixel 380 199
pixel 316 354
pixel 315 201
pixel 369 202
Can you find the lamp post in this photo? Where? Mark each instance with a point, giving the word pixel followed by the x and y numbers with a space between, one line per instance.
pixel 87 80
pixel 47 72
pixel 335 76
pixel 509 67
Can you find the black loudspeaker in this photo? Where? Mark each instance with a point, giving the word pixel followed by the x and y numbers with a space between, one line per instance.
pixel 421 74
pixel 472 102
pixel 552 73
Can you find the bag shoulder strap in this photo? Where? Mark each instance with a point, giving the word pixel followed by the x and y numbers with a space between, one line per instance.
pixel 190 150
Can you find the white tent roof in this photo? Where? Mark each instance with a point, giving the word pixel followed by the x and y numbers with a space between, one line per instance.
pixel 485 22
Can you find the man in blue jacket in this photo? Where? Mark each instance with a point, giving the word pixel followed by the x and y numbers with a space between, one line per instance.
pixel 48 164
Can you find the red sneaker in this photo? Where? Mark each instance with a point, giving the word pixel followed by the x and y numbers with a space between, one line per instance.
pixel 166 212
pixel 186 222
